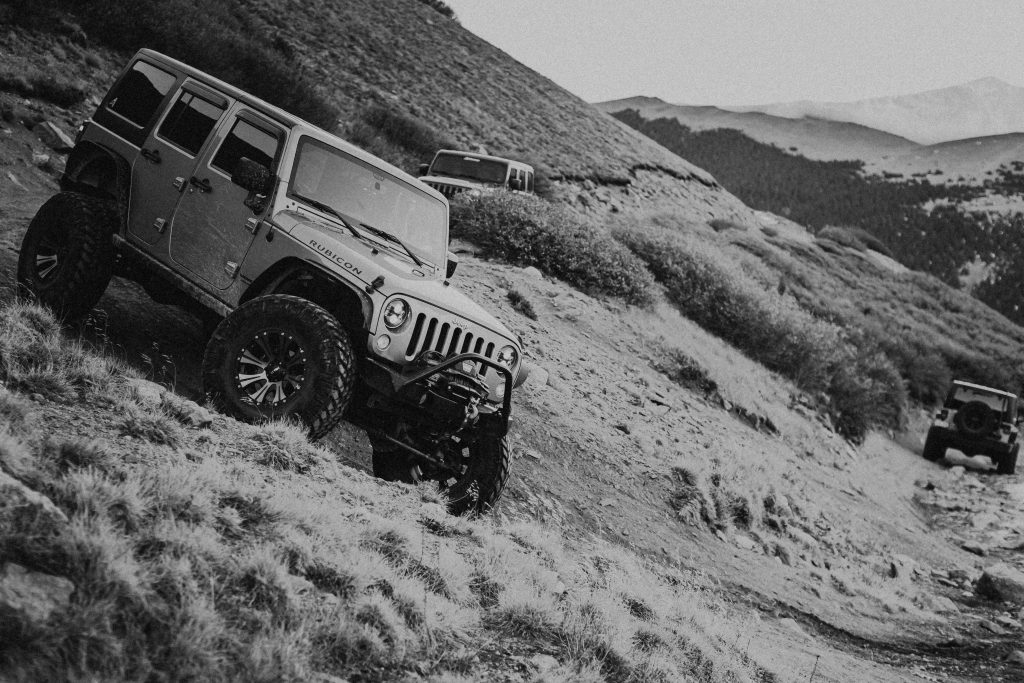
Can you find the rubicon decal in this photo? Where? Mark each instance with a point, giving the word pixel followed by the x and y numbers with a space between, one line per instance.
pixel 334 257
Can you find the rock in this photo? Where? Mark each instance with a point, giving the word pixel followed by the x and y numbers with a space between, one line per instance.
pixel 902 567
pixel 782 552
pixel 53 137
pixel 533 273
pixel 803 537
pixel 992 627
pixel 792 626
pixel 1001 582
pixel 956 472
pixel 543 662
pixel 984 519
pixel 607 502
pixel 975 547
pixel 624 428
pixel 1007 622
pixel 538 376
pixel 21 506
pixel 146 392
pixel 558 384
pixel 31 596
pixel 940 603
pixel 744 542
pixel 1016 657
pixel 188 412
pixel 533 454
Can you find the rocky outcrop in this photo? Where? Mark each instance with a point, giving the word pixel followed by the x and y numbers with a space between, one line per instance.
pixel 22 507
pixel 1002 582
pixel 28 597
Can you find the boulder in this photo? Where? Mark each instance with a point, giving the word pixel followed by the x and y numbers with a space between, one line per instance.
pixel 22 507
pixel 53 137
pixel 27 596
pixel 902 567
pixel 1001 582
pixel 533 273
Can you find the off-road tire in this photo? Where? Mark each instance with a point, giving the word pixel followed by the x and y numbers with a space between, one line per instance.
pixel 1007 464
pixel 67 255
pixel 934 448
pixel 477 489
pixel 327 362
pixel 976 419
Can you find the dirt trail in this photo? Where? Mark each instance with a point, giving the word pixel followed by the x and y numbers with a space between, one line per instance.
pixel 598 433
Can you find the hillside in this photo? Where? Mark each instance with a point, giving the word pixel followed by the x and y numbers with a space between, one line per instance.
pixel 675 512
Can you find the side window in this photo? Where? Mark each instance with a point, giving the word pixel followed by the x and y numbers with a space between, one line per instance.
pixel 529 181
pixel 189 122
pixel 513 175
pixel 138 95
pixel 246 140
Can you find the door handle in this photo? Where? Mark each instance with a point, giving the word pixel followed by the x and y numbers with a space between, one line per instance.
pixel 151 155
pixel 201 185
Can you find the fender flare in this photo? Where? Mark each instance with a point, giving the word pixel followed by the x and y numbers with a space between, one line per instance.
pixel 275 275
pixel 97 170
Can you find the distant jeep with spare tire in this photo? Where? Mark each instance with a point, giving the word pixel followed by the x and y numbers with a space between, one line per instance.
pixel 321 271
pixel 976 420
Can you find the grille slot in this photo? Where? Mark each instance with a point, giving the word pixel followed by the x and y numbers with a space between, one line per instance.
pixel 448 191
pixel 429 333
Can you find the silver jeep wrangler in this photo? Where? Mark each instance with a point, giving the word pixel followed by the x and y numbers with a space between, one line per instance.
pixel 324 269
pixel 976 420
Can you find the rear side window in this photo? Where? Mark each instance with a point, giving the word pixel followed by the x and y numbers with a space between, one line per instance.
pixel 189 122
pixel 138 95
pixel 246 140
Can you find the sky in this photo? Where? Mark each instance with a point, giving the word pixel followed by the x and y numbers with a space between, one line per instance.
pixel 732 52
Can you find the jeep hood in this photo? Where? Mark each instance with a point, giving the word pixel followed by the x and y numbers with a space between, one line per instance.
pixel 464 183
pixel 356 257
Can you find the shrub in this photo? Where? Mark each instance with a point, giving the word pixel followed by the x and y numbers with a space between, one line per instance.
pixel 47 87
pixel 864 387
pixel 441 7
pixel 841 236
pixel 521 304
pixel 528 231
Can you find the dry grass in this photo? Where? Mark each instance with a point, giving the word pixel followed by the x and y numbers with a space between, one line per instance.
pixel 285 565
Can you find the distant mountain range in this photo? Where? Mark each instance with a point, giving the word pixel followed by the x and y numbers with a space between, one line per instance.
pixel 971 130
pixel 981 108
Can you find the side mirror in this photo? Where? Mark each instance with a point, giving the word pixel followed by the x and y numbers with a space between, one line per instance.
pixel 453 263
pixel 255 178
pixel 515 184
pixel 424 168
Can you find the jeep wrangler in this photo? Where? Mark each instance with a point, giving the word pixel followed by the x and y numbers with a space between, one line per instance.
pixel 976 420
pixel 452 172
pixel 324 269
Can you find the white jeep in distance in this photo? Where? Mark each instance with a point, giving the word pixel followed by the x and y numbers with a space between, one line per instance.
pixel 324 268
pixel 976 420
pixel 452 172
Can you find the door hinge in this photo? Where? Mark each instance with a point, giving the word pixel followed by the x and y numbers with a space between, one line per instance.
pixel 160 224
pixel 231 268
pixel 252 224
pixel 179 183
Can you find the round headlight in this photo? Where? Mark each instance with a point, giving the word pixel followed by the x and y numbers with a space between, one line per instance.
pixel 396 313
pixel 508 357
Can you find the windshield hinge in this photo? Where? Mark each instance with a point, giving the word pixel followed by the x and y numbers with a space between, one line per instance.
pixel 377 283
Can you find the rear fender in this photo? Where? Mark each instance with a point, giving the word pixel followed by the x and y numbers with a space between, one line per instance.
pixel 96 170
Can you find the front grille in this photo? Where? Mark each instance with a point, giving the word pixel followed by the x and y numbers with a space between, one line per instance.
pixel 430 334
pixel 448 191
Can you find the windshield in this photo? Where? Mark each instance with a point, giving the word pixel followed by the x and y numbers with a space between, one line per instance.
pixel 371 197
pixel 471 168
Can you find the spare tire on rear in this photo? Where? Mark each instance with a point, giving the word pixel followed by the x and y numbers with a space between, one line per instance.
pixel 976 419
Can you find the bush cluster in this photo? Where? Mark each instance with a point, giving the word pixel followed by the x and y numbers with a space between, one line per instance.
pixel 401 139
pixel 862 386
pixel 219 38
pixel 528 231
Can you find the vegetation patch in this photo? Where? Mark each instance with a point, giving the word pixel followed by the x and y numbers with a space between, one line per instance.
pixel 528 231
pixel 773 329
pixel 244 56
pixel 521 304
pixel 400 138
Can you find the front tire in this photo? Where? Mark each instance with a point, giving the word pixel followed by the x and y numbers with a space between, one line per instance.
pixel 476 488
pixel 280 356
pixel 67 256
pixel 934 449
pixel 1007 464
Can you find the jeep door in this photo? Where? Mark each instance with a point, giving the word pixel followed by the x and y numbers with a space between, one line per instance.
pixel 216 220
pixel 164 166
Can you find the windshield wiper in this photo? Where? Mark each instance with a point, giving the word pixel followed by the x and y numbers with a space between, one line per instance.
pixel 384 234
pixel 327 208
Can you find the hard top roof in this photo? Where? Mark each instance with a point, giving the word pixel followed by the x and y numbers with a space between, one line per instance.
pixel 284 118
pixel 990 390
pixel 488 157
